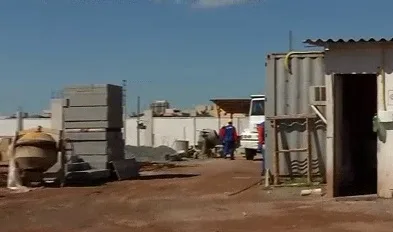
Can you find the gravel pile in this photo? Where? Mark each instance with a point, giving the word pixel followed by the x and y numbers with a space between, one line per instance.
pixel 145 154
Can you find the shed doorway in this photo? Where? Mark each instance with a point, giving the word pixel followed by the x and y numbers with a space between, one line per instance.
pixel 355 154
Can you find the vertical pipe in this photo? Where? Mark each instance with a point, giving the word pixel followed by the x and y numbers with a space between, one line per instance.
pixel 19 120
pixel 309 157
pixel 275 153
pixel 138 139
pixel 195 131
pixel 219 117
pixel 62 158
pixel 383 80
pixel 124 84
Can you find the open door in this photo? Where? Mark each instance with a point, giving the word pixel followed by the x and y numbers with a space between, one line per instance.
pixel 355 152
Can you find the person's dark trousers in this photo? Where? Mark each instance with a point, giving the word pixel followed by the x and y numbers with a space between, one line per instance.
pixel 224 150
pixel 230 149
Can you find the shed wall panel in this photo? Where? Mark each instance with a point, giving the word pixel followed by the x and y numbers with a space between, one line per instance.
pixel 288 94
pixel 364 60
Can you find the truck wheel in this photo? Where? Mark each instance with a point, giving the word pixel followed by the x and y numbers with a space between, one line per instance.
pixel 250 154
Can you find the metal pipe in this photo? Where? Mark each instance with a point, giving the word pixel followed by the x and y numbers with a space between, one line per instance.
pixel 288 56
pixel 138 112
pixel 317 112
pixel 383 81
pixel 19 120
pixel 124 85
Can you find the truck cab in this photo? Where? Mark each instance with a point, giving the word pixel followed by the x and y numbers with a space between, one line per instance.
pixel 249 137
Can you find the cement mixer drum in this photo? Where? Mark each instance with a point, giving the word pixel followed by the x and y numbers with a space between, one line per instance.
pixel 208 138
pixel 35 151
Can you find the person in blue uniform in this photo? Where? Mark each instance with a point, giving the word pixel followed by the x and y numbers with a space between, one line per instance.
pixel 229 138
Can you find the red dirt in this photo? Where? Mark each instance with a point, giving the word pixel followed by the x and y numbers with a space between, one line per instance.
pixel 191 204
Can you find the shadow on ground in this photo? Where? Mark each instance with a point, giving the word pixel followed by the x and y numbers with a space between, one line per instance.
pixel 166 176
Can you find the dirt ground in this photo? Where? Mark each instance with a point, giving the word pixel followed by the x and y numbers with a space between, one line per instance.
pixel 188 204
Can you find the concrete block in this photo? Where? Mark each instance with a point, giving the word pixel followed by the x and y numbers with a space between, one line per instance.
pixel 93 124
pixel 148 121
pixel 96 161
pixel 92 89
pixel 94 95
pixel 113 149
pixel 57 114
pixel 93 136
pixel 87 175
pixel 94 113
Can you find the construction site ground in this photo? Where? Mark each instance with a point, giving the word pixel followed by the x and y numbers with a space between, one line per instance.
pixel 190 204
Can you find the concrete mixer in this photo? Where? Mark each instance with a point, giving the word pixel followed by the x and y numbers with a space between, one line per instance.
pixel 36 150
pixel 208 139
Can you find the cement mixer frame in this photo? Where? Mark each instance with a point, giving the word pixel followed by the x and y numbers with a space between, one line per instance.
pixel 55 175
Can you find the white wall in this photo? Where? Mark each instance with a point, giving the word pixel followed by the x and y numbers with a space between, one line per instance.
pixel 8 126
pixel 166 130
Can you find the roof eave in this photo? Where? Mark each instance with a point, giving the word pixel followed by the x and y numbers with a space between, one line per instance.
pixel 328 42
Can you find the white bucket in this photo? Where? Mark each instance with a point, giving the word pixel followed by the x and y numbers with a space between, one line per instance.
pixel 181 145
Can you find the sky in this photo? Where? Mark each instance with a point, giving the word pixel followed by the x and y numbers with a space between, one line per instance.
pixel 184 51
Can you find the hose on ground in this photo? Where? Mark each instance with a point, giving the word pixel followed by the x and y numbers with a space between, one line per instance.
pixel 245 189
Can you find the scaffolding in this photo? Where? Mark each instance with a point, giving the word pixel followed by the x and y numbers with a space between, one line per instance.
pixel 275 122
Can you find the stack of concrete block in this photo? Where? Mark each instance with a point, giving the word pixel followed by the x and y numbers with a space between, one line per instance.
pixel 93 121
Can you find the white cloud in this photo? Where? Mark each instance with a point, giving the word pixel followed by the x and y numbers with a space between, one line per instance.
pixel 206 3
pixel 217 3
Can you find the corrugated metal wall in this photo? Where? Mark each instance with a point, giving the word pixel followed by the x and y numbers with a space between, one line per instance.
pixel 288 94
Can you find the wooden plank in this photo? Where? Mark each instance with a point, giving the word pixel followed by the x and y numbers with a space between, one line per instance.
pixel 294 116
pixel 293 150
pixel 370 197
pixel 309 155
pixel 275 154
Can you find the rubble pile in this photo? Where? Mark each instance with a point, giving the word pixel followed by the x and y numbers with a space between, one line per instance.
pixel 157 154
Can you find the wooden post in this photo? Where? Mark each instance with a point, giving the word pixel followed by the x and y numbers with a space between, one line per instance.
pixel 276 168
pixel 219 117
pixel 63 158
pixel 309 155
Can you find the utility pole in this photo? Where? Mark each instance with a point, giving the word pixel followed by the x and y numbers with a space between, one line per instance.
pixel 290 40
pixel 124 85
pixel 138 103
pixel 19 119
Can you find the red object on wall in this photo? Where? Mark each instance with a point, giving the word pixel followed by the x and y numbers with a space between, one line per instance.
pixel 261 132
pixel 222 133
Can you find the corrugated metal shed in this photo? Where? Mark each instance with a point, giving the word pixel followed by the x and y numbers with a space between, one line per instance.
pixel 287 93
pixel 323 42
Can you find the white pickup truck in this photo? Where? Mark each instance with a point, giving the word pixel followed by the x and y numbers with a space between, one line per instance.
pixel 249 137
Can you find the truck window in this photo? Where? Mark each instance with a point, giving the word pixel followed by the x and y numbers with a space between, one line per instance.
pixel 257 107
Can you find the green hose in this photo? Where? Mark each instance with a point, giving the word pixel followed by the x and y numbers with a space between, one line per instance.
pixel 380 129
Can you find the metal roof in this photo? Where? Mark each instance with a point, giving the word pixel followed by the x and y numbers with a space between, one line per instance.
pixel 233 106
pixel 323 42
